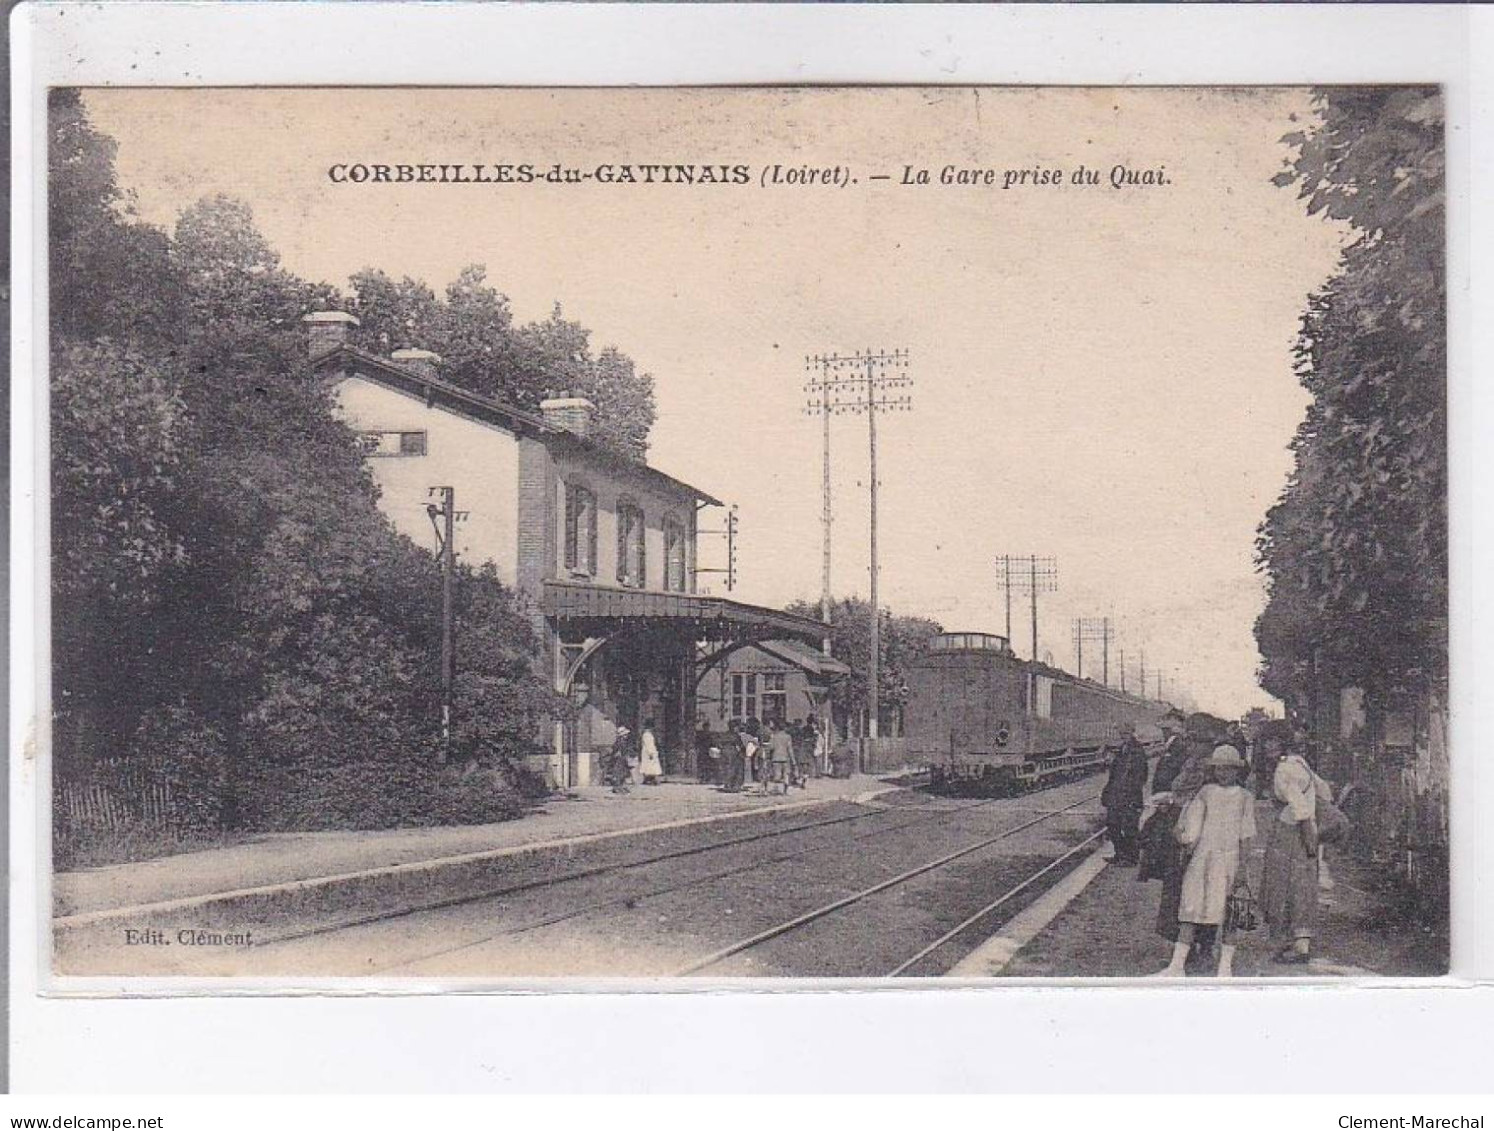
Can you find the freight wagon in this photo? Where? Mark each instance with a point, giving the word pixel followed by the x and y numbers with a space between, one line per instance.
pixel 984 721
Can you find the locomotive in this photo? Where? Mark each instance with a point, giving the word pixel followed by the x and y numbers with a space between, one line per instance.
pixel 984 721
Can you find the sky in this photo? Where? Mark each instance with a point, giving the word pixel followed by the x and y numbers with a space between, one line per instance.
pixel 1101 374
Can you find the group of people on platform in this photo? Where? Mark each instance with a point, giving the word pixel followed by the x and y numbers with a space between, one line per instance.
pixel 772 755
pixel 1202 803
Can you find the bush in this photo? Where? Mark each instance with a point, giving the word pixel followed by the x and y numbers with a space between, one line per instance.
pixel 379 795
pixel 189 755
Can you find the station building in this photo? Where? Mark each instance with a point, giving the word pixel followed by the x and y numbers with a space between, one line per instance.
pixel 600 548
pixel 781 680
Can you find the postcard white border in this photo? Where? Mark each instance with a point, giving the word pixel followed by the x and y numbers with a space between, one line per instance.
pixel 1011 1036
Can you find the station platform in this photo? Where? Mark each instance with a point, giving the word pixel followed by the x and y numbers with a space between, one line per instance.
pixel 262 863
pixel 1107 929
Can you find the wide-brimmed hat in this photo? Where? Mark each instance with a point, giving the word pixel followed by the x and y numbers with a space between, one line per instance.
pixel 1226 756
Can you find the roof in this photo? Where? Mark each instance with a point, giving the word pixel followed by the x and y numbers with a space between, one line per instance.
pixel 708 617
pixel 438 391
pixel 809 659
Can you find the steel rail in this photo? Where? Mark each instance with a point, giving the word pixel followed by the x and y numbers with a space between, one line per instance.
pixel 994 904
pixel 696 881
pixel 586 874
pixel 846 901
pixel 549 881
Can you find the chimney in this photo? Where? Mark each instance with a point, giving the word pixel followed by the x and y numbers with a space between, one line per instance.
pixel 327 329
pixel 423 362
pixel 573 414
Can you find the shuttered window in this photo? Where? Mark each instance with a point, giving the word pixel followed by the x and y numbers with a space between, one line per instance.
pixel 580 530
pixel 630 546
pixel 674 555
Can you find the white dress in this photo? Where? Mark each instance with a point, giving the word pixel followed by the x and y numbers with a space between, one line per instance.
pixel 1215 822
pixel 649 764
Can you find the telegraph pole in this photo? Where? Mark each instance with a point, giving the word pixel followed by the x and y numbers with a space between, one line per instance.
pixel 823 402
pixel 1093 629
pixel 1040 575
pixel 1006 585
pixel 443 517
pixel 856 383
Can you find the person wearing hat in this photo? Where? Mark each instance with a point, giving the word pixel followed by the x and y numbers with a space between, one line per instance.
pixel 1213 829
pixel 619 772
pixel 1124 797
pixel 1178 778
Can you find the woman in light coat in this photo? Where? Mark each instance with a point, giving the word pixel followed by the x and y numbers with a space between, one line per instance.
pixel 649 765
pixel 1213 829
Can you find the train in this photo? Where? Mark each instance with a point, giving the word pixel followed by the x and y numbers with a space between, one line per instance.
pixel 985 722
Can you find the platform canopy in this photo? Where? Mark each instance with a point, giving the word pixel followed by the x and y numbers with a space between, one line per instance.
pixel 705 618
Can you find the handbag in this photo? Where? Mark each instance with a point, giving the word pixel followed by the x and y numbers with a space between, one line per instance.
pixel 1190 823
pixel 1333 823
pixel 1240 908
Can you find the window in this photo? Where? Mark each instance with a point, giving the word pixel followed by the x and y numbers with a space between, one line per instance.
pixel 580 529
pixel 630 560
pixel 674 556
pixel 743 695
pixel 393 443
pixel 774 696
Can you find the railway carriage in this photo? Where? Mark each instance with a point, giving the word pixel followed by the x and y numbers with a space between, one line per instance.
pixel 984 721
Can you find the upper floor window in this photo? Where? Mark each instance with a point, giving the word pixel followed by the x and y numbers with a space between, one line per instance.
pixel 630 552
pixel 393 443
pixel 580 529
pixel 674 555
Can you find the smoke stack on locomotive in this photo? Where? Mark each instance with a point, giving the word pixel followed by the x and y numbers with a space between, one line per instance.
pixel 984 721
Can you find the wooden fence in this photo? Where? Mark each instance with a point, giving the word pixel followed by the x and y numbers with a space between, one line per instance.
pixel 120 797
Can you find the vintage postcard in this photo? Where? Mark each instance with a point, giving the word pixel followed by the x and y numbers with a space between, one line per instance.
pixel 748 533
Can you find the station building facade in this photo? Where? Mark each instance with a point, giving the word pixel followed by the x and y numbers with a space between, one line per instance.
pixel 600 548
pixel 781 681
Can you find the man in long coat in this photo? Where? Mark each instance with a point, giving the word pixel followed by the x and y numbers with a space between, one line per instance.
pixel 1124 797
pixel 734 759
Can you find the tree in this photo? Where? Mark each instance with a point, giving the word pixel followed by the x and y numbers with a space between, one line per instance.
pixel 110 274
pixel 481 349
pixel 1355 551
pixel 116 460
pixel 229 601
pixel 902 640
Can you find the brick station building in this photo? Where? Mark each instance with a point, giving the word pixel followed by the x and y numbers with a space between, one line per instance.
pixel 600 548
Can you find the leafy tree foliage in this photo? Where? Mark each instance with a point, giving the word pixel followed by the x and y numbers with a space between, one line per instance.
pixel 229 602
pixel 472 328
pixel 1355 551
pixel 902 639
pixel 95 237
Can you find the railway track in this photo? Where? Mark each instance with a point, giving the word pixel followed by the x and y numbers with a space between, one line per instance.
pixel 613 868
pixel 802 920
